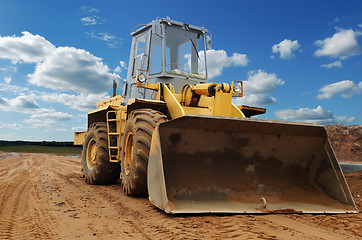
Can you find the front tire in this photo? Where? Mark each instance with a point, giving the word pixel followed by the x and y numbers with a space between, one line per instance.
pixel 96 167
pixel 136 147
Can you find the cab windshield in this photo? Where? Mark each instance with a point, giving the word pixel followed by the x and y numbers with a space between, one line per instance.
pixel 185 52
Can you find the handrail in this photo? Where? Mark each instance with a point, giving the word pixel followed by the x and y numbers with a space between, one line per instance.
pixel 133 29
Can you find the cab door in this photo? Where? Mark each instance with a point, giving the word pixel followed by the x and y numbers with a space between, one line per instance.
pixel 141 56
pixel 139 60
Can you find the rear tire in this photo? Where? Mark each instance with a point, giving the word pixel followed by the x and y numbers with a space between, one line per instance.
pixel 136 147
pixel 96 167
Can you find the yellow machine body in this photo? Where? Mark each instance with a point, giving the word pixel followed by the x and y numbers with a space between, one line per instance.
pixel 195 150
pixel 210 158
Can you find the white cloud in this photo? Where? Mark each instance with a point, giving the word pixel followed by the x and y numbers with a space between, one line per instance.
pixel 68 68
pixel 10 125
pixel 123 64
pixel 79 129
pixel 45 118
pixel 118 69
pixel 39 123
pixel 62 68
pixel 345 88
pixel 53 129
pixel 258 87
pixel 238 59
pixel 337 64
pixel 260 82
pixel 91 17
pixel 22 104
pixel 88 10
pixel 51 115
pixel 285 48
pixel 39 117
pixel 317 115
pixel 11 68
pixel 217 60
pixel 12 88
pixel 110 39
pixel 10 136
pixel 360 25
pixel 28 48
pixel 81 102
pixel 342 44
pixel 88 21
pixel 255 100
pixel 121 67
pixel 7 80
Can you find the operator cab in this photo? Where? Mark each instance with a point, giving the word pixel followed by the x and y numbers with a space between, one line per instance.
pixel 170 52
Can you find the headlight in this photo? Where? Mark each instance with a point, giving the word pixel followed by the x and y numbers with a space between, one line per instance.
pixel 237 88
pixel 141 78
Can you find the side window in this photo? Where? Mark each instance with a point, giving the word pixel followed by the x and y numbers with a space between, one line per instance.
pixel 184 64
pixel 139 53
pixel 156 54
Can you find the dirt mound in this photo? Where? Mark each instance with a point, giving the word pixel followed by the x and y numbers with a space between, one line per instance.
pixel 346 142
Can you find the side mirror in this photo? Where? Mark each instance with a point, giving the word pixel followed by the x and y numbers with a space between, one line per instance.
pixel 208 42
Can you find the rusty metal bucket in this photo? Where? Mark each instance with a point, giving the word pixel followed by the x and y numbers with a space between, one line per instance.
pixel 202 164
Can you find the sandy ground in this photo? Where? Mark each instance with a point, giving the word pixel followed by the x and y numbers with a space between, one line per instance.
pixel 43 197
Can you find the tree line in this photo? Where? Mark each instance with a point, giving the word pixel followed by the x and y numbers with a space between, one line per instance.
pixel 43 143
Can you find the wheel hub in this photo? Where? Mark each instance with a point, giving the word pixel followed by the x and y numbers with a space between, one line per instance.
pixel 91 153
pixel 128 153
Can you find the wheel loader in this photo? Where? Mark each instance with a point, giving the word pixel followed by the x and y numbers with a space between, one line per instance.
pixel 179 139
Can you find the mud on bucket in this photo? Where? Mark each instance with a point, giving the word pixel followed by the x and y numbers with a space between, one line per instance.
pixel 232 165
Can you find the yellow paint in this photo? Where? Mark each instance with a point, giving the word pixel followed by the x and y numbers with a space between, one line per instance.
pixel 236 112
pixel 113 101
pixel 197 111
pixel 202 88
pixel 91 153
pixel 204 104
pixel 128 150
pixel 173 105
pixel 222 104
pixel 79 137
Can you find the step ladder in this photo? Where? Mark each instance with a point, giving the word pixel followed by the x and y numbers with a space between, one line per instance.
pixel 111 136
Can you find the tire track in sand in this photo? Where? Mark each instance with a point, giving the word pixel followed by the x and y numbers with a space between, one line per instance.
pixel 43 197
pixel 18 219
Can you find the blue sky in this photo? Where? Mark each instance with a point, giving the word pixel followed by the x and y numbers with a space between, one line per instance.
pixel 302 60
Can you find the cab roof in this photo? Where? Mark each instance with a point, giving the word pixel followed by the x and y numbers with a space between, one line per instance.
pixel 159 21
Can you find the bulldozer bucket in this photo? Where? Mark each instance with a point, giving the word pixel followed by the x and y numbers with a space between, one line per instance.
pixel 204 164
